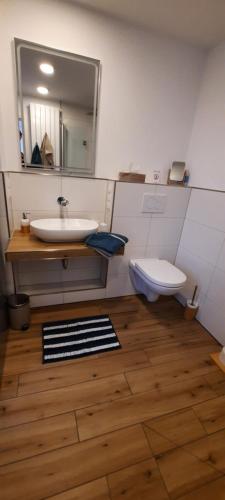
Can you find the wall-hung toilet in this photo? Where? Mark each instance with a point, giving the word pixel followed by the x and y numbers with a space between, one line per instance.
pixel 155 277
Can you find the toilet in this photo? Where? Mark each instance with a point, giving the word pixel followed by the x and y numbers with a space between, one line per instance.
pixel 155 277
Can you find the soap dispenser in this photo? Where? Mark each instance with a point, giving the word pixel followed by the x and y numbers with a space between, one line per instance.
pixel 25 223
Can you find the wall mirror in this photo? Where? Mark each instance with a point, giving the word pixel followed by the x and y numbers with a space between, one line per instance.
pixel 176 173
pixel 57 108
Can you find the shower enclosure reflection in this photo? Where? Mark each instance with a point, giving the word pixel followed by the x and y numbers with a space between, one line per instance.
pixel 58 99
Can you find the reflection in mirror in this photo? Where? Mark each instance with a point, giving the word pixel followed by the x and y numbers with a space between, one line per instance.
pixel 176 173
pixel 58 99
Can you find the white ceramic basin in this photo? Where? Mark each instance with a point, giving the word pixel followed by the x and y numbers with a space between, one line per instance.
pixel 63 229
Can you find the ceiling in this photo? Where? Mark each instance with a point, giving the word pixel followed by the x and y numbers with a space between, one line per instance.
pixel 197 22
pixel 73 81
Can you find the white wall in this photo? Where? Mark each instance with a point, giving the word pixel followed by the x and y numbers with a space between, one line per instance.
pixel 206 154
pixel 148 91
pixel 201 256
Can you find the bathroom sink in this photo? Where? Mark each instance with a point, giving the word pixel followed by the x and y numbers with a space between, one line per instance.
pixel 57 230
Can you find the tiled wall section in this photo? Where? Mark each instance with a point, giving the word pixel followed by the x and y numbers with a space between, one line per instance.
pixel 201 256
pixel 150 235
pixel 197 245
pixel 37 194
pixel 6 276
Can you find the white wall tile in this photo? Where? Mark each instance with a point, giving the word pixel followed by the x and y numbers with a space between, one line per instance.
pixel 46 300
pixel 83 295
pixel 119 285
pixel 201 256
pixel 211 315
pixel 32 266
pixel 85 194
pixel 34 215
pixel 207 207
pixel 135 228
pixel 81 274
pixel 129 198
pixel 4 234
pixel 177 200
pixel 221 258
pixel 165 231
pixel 34 192
pixel 202 241
pixel 39 278
pixel 167 252
pixel 120 263
pixel 198 272
pixel 111 185
pixel 9 200
pixel 84 262
pixel 89 214
pixel 216 290
pixel 2 198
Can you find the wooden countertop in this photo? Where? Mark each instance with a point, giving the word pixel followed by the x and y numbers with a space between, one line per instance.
pixel 27 247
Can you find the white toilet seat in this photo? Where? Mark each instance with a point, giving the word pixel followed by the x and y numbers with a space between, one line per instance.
pixel 160 272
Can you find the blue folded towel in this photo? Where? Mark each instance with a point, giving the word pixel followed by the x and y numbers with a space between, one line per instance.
pixel 107 244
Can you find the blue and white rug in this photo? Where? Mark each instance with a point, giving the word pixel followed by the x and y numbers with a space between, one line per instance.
pixel 76 338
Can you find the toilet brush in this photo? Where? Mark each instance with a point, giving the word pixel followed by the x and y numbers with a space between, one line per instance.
pixel 193 296
pixel 191 308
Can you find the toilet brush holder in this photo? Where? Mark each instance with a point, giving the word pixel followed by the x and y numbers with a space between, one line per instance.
pixel 191 310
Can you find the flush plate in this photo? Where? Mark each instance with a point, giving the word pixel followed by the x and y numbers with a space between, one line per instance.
pixel 154 203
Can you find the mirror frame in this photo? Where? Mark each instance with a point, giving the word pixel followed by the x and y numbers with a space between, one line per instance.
pixel 20 43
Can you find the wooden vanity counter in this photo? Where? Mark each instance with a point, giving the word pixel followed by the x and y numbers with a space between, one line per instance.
pixel 28 247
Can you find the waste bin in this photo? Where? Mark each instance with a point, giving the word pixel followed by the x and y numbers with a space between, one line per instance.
pixel 19 311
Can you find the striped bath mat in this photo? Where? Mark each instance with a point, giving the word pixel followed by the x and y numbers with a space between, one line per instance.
pixel 75 338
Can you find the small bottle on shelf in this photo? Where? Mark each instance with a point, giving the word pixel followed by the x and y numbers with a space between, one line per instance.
pixel 25 223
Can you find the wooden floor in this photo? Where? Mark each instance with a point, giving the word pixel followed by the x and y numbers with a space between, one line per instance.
pixel 144 422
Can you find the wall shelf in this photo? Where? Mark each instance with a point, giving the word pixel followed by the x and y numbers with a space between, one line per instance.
pixel 28 247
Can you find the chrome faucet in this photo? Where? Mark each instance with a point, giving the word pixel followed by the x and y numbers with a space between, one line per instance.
pixel 63 203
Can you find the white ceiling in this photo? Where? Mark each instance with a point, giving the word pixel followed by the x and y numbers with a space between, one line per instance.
pixel 198 22
pixel 73 81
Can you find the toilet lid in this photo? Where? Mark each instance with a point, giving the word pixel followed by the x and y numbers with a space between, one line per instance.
pixel 160 272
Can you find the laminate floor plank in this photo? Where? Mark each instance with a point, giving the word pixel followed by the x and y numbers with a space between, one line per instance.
pixel 210 449
pixel 102 418
pixel 54 472
pixel 27 440
pixel 157 377
pixel 8 387
pixel 141 481
pixel 80 371
pixel 158 443
pixel 95 490
pixel 55 402
pixel 214 490
pixel 182 472
pixel 180 427
pixel 216 380
pixel 212 414
pixel 173 351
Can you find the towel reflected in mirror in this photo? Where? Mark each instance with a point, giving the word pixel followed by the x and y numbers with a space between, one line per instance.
pixel 47 151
